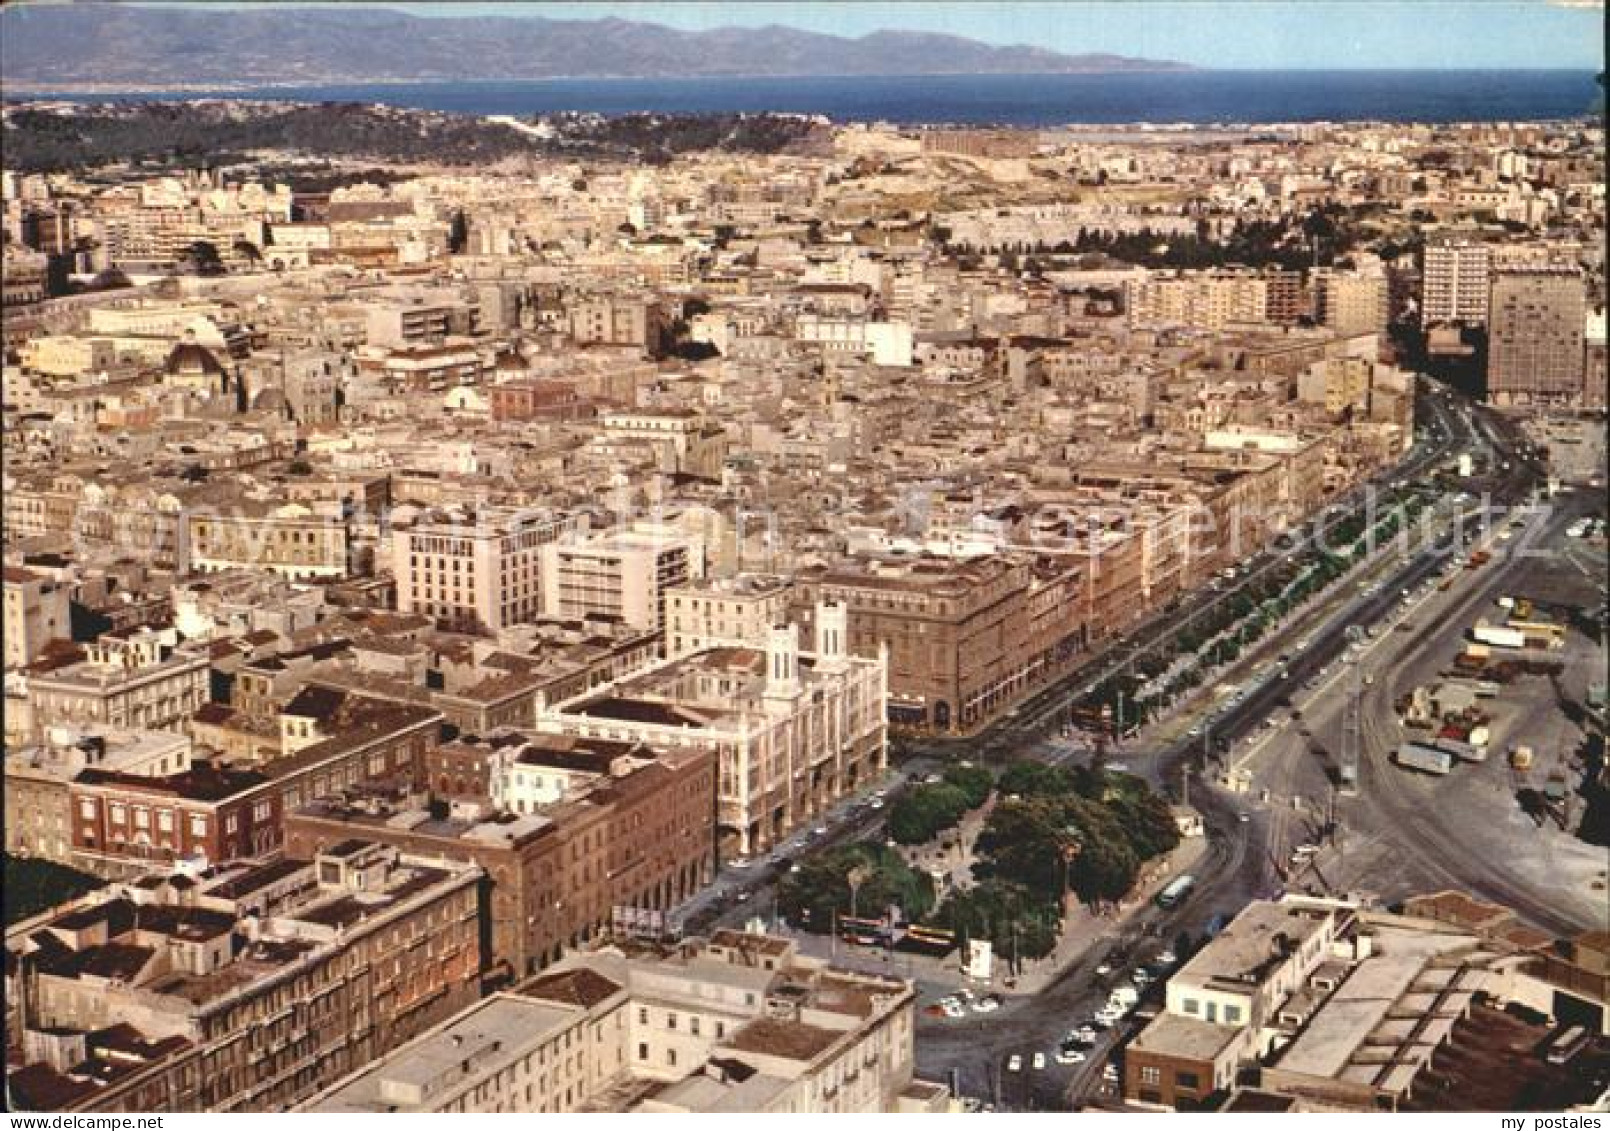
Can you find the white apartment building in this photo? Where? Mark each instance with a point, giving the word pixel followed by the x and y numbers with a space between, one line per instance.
pixel 686 443
pixel 885 343
pixel 38 610
pixel 1456 283
pixel 741 1023
pixel 794 731
pixel 525 778
pixel 68 355
pixel 621 574
pixel 1202 301
pixel 133 678
pixel 729 610
pixel 1352 304
pixel 480 570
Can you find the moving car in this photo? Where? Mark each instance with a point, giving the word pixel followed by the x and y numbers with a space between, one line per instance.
pixel 1068 1054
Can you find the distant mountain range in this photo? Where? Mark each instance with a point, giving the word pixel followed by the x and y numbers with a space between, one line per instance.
pixel 119 46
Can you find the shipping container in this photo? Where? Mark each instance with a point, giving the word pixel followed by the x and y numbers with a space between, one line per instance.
pixel 1414 756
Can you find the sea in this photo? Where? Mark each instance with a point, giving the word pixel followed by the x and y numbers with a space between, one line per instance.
pixel 1222 98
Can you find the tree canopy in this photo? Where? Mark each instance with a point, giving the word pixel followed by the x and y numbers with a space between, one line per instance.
pixel 809 897
pixel 1094 828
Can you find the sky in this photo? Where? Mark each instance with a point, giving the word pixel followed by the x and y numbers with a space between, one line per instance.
pixel 1230 34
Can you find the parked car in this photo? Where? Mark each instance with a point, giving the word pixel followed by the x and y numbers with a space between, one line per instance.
pixel 1167 958
pixel 987 1004
pixel 1039 1060
pixel 1015 1063
pixel 1085 1034
pixel 1068 1054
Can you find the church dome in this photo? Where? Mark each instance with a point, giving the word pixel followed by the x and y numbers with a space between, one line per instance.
pixel 189 357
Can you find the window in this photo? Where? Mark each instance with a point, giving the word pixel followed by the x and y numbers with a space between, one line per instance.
pixel 693 1026
pixel 1150 1075
pixel 1191 1005
pixel 642 1050
pixel 142 818
pixel 86 809
pixel 642 1016
pixel 118 812
pixel 670 1057
pixel 1185 1080
pixel 670 1021
pixel 165 820
pixel 1232 1014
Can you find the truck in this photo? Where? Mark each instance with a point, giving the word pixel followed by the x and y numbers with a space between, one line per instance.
pixel 1498 635
pixel 1466 745
pixel 1428 759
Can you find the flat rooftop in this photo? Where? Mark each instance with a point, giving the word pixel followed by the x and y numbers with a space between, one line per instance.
pixel 497 1030
pixel 1173 1034
pixel 1356 1023
pixel 1262 935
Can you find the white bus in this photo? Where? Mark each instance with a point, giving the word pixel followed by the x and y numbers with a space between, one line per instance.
pixel 1176 891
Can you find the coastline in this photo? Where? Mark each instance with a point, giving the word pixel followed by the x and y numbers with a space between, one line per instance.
pixel 1173 100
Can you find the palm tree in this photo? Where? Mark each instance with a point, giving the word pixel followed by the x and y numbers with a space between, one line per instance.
pixel 857 876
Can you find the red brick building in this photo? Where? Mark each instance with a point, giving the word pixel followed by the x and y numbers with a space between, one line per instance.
pixel 538 400
pixel 123 823
pixel 641 837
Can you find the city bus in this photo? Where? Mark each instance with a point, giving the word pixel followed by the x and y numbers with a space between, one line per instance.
pixel 1174 894
pixel 863 932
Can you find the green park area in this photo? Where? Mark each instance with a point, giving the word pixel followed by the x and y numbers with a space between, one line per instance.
pixel 1052 833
